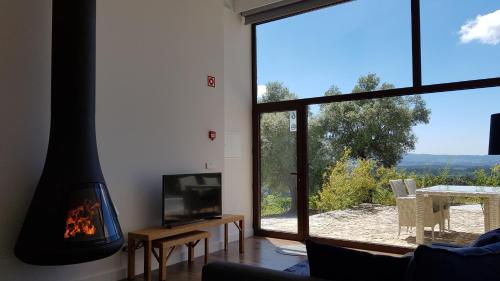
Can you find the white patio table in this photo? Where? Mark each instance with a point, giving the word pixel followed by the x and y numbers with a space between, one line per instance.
pixel 491 194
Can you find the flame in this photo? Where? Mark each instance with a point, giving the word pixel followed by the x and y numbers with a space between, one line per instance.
pixel 79 220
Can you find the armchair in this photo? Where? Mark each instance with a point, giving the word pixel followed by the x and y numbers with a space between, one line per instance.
pixel 407 209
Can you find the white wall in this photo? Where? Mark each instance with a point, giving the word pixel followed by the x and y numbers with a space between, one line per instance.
pixel 153 113
pixel 238 117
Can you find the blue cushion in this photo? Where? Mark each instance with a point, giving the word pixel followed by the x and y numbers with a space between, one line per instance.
pixel 494 248
pixel 302 268
pixel 463 251
pixel 446 245
pixel 487 238
pixel 342 264
pixel 437 263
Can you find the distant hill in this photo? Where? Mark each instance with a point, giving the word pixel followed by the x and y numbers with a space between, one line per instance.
pixel 413 161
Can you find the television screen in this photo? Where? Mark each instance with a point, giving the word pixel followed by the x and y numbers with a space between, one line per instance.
pixel 191 197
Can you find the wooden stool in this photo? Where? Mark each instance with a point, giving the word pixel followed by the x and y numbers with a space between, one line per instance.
pixel 189 239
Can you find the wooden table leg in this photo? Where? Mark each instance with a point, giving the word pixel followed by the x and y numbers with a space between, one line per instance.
pixel 147 260
pixel 242 236
pixel 420 218
pixel 486 211
pixel 163 264
pixel 225 237
pixel 206 250
pixel 190 251
pixel 131 258
pixel 494 212
pixel 441 211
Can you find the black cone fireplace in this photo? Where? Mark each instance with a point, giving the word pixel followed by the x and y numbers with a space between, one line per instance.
pixel 71 218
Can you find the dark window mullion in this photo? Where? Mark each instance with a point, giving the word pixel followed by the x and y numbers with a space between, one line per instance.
pixel 416 46
pixel 256 168
pixel 254 65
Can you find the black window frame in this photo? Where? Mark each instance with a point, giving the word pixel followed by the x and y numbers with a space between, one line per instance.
pixel 301 105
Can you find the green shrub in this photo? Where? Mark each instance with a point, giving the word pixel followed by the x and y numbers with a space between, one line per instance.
pixel 275 205
pixel 429 179
pixel 384 196
pixel 314 202
pixel 491 178
pixel 348 184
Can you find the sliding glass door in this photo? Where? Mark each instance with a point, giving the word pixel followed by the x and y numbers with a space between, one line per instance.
pixel 279 181
pixel 278 170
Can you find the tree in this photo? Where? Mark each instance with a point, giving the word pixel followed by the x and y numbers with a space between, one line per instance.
pixel 278 147
pixel 276 91
pixel 347 185
pixel 377 129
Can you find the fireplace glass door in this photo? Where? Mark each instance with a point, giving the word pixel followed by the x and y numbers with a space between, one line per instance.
pixel 89 215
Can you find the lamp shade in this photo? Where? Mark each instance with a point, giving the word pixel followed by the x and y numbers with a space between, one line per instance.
pixel 494 135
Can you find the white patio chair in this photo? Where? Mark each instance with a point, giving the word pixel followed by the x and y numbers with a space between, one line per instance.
pixel 398 187
pixel 441 203
pixel 411 185
pixel 407 209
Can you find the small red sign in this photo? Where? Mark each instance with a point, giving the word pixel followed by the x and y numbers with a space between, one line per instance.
pixel 211 135
pixel 211 81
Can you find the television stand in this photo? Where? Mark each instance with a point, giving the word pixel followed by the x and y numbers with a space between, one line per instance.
pixel 213 218
pixel 177 224
pixel 148 235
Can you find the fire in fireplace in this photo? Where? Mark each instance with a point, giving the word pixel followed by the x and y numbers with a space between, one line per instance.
pixel 82 220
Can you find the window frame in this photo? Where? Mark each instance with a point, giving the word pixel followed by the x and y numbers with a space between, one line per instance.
pixel 301 105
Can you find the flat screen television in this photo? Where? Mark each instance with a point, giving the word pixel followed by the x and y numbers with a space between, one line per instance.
pixel 191 197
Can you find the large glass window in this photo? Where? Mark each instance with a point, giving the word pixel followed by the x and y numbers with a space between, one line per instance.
pixel 325 52
pixel 460 40
pixel 357 147
pixel 361 146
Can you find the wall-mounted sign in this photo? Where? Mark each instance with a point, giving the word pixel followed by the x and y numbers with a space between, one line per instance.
pixel 211 81
pixel 293 121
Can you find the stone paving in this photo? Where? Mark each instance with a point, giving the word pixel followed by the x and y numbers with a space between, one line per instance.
pixel 379 224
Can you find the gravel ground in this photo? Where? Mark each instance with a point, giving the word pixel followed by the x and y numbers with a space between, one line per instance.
pixel 379 224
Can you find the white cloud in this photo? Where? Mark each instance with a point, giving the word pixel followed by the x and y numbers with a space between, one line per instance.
pixel 484 28
pixel 261 90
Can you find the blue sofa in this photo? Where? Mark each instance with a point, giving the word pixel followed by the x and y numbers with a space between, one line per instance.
pixel 479 261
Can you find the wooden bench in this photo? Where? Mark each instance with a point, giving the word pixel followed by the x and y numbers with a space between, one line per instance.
pixel 190 239
pixel 146 236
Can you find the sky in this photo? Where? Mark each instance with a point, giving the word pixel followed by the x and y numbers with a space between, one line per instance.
pixel 335 46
